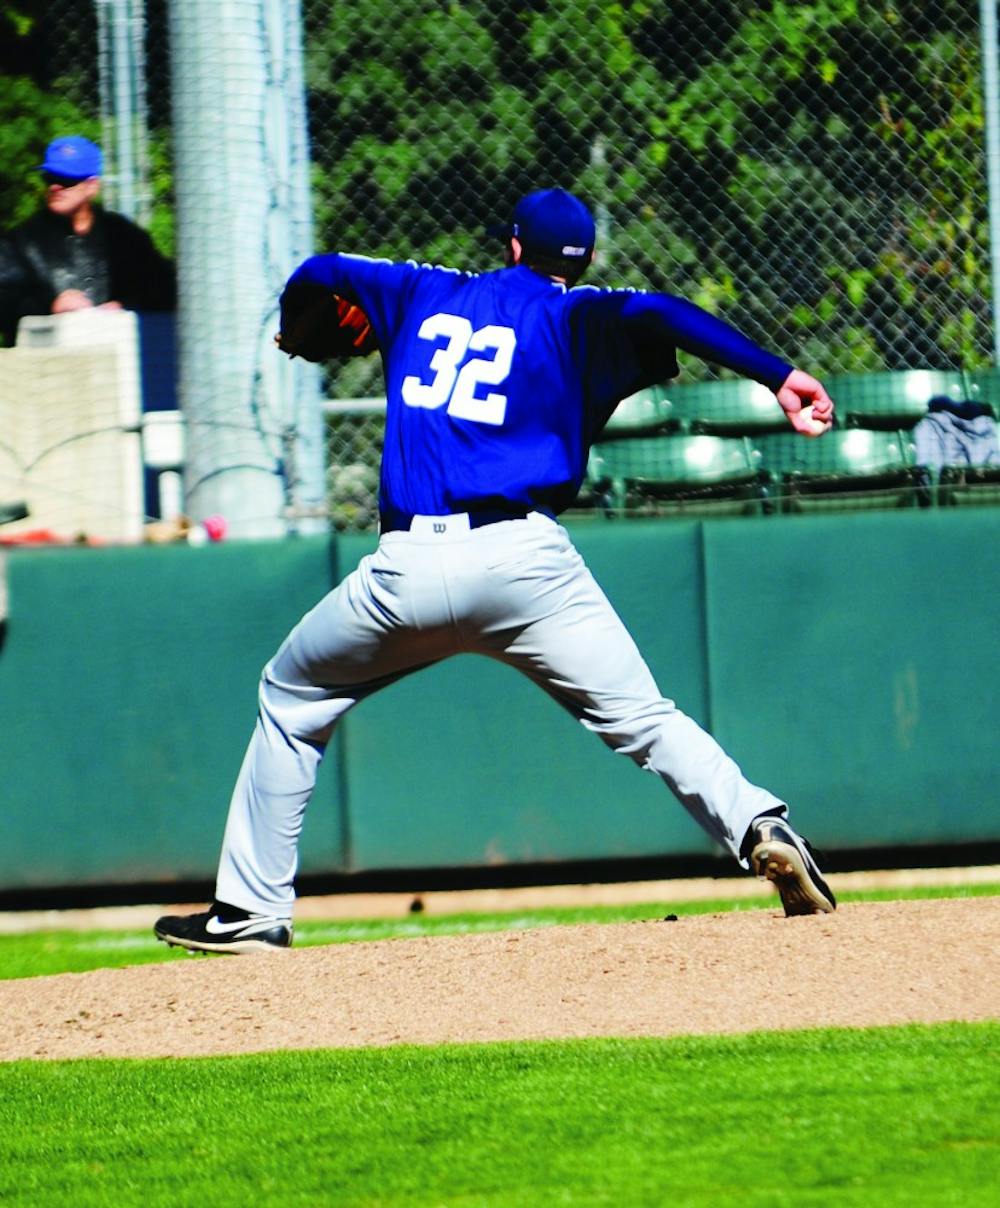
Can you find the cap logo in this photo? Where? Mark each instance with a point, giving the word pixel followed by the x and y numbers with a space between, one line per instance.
pixel 574 251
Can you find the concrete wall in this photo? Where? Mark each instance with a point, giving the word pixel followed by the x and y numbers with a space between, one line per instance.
pixel 70 406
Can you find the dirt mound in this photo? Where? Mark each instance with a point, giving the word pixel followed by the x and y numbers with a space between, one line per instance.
pixel 871 963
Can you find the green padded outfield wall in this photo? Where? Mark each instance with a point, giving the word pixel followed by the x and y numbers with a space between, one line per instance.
pixel 128 690
pixel 847 661
pixel 854 665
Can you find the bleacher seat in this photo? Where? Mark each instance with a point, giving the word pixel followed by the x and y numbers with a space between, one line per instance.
pixel 968 485
pixel 984 387
pixel 679 473
pixel 642 414
pixel 727 408
pixel 891 401
pixel 846 467
pixel 680 453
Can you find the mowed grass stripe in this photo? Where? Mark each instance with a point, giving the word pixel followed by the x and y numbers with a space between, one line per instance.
pixel 38 953
pixel 895 1116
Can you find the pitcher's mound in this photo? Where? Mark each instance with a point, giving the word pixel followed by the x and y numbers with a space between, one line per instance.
pixel 869 964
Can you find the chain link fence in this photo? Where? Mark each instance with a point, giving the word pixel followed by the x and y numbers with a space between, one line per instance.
pixel 811 172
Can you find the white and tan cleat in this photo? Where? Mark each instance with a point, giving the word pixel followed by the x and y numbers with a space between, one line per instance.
pixel 780 856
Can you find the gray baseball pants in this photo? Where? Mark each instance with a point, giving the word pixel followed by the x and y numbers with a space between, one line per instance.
pixel 517 591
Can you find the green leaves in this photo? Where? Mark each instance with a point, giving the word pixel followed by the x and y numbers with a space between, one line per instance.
pixel 805 169
pixel 813 171
pixel 29 118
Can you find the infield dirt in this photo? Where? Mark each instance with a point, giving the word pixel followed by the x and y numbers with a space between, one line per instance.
pixel 872 963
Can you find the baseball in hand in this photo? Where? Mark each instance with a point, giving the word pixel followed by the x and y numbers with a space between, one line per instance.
pixel 804 422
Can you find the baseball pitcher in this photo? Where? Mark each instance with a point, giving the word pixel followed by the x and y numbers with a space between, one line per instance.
pixel 496 386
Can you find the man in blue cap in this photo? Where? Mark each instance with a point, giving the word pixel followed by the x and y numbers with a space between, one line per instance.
pixel 73 254
pixel 496 386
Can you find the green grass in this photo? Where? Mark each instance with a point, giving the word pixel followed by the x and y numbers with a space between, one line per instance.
pixel 43 952
pixel 883 1117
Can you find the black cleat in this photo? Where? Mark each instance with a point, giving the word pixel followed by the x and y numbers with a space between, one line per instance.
pixel 779 855
pixel 224 928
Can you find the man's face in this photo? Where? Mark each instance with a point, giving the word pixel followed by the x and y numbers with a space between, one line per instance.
pixel 64 195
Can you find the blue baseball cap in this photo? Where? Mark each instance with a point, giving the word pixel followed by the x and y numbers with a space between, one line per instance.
pixel 73 156
pixel 553 222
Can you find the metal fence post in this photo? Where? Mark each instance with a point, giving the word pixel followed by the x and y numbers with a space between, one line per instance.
pixel 991 115
pixel 242 222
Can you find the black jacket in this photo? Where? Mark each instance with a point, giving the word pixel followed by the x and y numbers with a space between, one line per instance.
pixel 115 261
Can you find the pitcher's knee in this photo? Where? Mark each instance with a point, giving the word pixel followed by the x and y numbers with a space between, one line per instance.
pixel 302 712
pixel 638 732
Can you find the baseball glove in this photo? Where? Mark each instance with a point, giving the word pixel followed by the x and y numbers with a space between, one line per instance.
pixel 318 325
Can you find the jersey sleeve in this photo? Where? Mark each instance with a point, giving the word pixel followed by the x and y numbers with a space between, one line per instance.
pixel 680 323
pixel 615 358
pixel 380 287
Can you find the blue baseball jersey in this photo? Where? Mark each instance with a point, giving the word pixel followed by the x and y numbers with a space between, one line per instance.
pixel 498 383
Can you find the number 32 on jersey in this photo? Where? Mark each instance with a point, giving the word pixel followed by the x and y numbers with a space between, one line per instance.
pixel 455 383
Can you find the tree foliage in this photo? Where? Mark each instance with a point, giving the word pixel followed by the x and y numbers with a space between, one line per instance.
pixel 36 104
pixel 811 171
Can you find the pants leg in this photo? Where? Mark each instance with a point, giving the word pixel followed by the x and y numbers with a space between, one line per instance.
pixel 358 639
pixel 575 646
